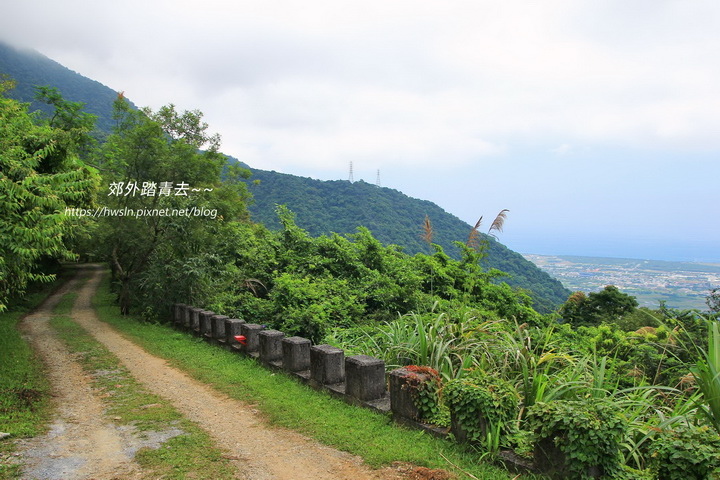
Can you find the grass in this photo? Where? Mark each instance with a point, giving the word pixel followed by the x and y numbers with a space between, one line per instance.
pixel 25 406
pixel 707 376
pixel 188 453
pixel 288 403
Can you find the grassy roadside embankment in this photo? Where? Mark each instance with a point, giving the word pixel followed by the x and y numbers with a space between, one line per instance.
pixel 25 405
pixel 288 403
pixel 182 449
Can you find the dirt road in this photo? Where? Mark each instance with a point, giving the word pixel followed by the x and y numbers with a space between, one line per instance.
pixel 83 444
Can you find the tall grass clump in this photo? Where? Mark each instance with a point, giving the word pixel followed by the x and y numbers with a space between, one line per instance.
pixel 433 340
pixel 707 375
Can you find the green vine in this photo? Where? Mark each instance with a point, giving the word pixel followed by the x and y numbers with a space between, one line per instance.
pixel 424 385
pixel 686 453
pixel 588 432
pixel 481 405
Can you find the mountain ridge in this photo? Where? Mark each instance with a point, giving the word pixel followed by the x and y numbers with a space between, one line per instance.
pixel 321 207
pixel 339 206
pixel 30 68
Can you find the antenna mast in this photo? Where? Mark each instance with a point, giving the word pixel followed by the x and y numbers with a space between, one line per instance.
pixel 351 178
pixel 377 181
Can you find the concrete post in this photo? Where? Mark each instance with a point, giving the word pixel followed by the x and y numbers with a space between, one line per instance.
pixel 270 345
pixel 402 383
pixel 232 329
pixel 364 377
pixel 184 316
pixel 327 364
pixel 194 320
pixel 296 354
pixel 252 342
pixel 178 314
pixel 205 324
pixel 217 327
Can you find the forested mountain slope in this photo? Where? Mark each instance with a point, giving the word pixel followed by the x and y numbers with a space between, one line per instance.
pixel 339 206
pixel 30 69
pixel 321 206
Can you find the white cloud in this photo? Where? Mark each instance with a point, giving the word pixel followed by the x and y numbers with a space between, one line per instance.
pixel 563 149
pixel 496 72
pixel 479 90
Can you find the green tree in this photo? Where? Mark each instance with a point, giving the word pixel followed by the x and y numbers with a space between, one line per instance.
pixel 174 151
pixel 574 310
pixel 610 303
pixel 607 305
pixel 69 117
pixel 40 176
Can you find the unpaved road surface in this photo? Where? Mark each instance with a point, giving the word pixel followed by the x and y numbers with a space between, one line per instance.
pixel 83 444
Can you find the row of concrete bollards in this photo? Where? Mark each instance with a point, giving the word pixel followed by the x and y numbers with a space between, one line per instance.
pixel 358 379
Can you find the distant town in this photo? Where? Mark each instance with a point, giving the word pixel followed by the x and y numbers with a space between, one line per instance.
pixel 681 285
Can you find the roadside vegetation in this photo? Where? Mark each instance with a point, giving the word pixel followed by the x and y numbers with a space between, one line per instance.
pixel 622 400
pixel 25 405
pixel 326 206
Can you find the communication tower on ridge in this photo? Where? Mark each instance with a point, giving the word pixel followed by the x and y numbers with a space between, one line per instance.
pixel 352 179
pixel 377 181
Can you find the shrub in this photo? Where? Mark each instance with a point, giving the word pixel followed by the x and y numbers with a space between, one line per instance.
pixel 707 376
pixel 309 306
pixel 480 404
pixel 578 438
pixel 686 453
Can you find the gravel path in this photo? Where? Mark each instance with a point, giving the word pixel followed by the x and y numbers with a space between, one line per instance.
pixel 82 444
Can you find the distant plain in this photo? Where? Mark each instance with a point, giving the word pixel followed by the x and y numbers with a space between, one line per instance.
pixel 681 285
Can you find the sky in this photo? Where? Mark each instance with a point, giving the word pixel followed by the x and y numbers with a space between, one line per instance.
pixel 597 124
